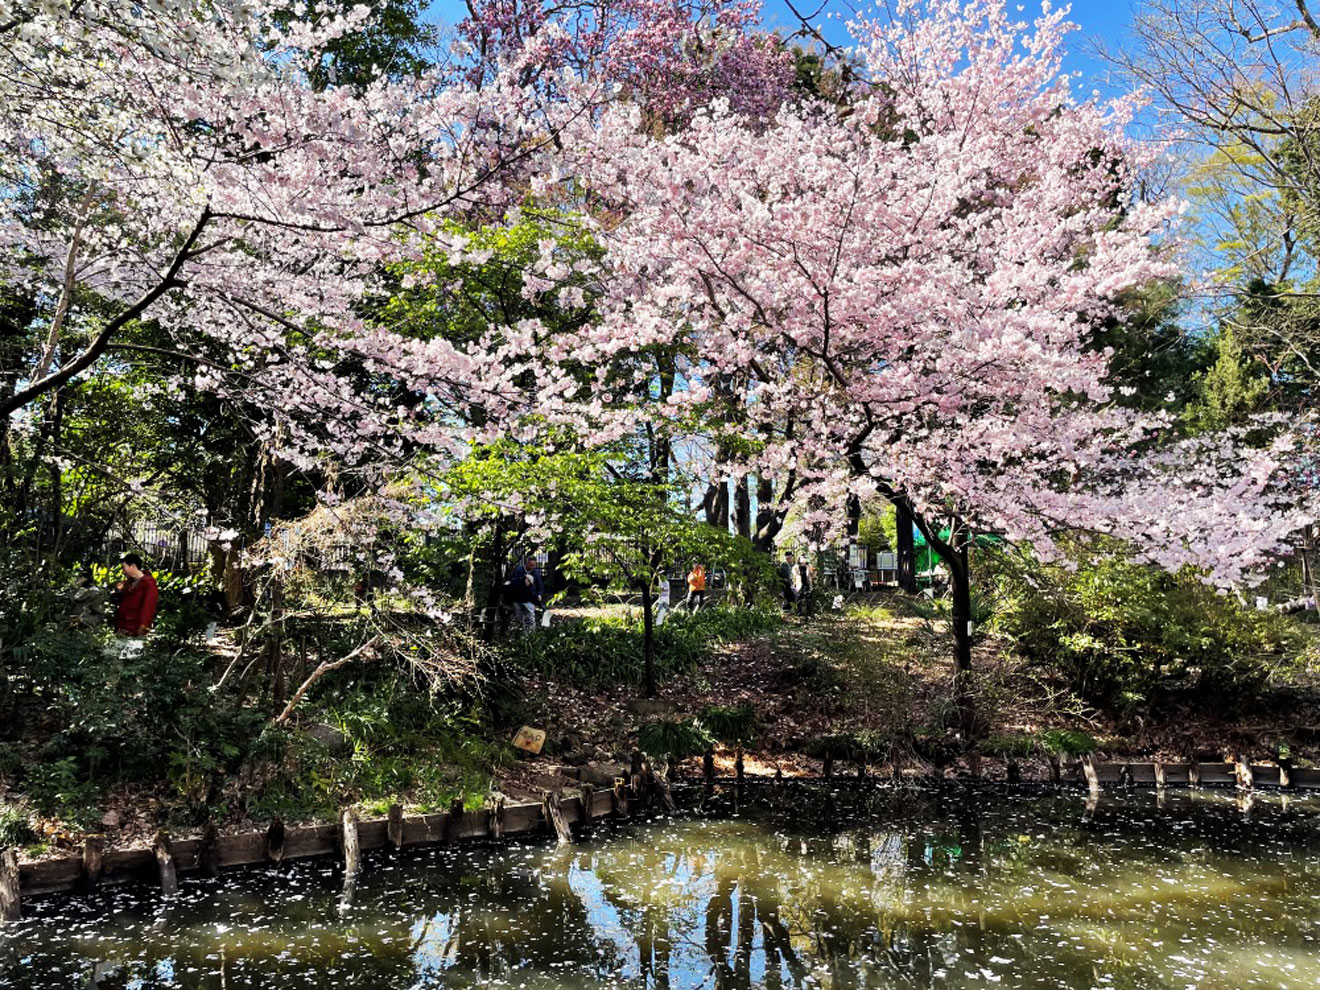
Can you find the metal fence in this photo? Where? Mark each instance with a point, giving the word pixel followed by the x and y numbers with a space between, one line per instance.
pixel 165 545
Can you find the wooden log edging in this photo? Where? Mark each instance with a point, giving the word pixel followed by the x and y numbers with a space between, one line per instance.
pixel 1086 773
pixel 168 858
pixel 1093 775
pixel 1239 774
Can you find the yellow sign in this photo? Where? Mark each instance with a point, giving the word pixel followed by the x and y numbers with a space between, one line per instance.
pixel 530 739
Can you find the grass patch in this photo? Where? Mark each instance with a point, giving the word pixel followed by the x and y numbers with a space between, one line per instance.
pixel 608 650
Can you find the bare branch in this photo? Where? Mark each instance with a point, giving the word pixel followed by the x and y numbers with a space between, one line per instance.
pixel 97 347
pixel 324 668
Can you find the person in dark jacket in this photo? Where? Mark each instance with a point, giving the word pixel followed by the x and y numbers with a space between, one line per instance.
pixel 787 581
pixel 136 598
pixel 525 592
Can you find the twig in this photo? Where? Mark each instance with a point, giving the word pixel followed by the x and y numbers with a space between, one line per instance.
pixel 324 668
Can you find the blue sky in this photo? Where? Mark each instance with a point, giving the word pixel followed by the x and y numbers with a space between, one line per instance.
pixel 1097 20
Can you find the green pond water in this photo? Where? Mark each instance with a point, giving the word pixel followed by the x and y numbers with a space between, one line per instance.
pixel 878 888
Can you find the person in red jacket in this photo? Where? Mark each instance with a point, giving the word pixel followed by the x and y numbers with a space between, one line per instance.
pixel 137 598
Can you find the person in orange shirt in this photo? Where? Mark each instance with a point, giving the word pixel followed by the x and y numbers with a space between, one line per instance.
pixel 696 596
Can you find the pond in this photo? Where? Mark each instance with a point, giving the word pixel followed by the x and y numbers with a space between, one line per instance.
pixel 806 888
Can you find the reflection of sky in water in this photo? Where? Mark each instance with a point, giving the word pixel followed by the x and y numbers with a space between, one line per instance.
pixel 887 889
pixel 434 953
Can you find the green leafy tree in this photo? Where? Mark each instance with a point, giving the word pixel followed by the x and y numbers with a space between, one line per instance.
pixel 1232 389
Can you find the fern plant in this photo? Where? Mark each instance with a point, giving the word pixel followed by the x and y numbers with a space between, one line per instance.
pixel 672 740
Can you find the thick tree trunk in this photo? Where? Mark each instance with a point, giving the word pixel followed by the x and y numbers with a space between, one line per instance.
pixel 743 507
pixel 905 551
pixel 768 520
pixel 854 512
pixel 648 640
pixel 275 646
pixel 961 588
pixel 490 616
pixel 954 552
pixel 715 503
pixel 227 576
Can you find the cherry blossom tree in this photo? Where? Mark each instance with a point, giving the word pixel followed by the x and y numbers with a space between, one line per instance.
pixel 176 163
pixel 907 292
pixel 666 57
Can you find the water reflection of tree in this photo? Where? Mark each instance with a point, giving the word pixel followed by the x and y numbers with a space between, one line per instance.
pixel 524 919
pixel 887 893
pixel 809 905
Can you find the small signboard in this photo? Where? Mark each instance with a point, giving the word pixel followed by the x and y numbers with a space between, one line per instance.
pixel 529 740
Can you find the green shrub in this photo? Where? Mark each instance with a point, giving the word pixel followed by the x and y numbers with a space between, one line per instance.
pixel 855 746
pixel 672 739
pixel 1011 744
pixel 16 827
pixel 402 745
pixel 608 651
pixel 1121 633
pixel 114 717
pixel 57 787
pixel 1067 742
pixel 732 725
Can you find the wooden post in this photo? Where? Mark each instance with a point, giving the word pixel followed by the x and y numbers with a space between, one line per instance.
pixel 348 824
pixel 738 764
pixel 208 852
pixel 1159 775
pixel 92 864
pixel 454 821
pixel 169 876
pixel 553 815
pixel 1012 772
pixel 708 767
pixel 10 902
pixel 861 765
pixel 394 827
pixel 1092 780
pixel 495 827
pixel 666 798
pixel 827 767
pixel 588 800
pixel 352 849
pixel 1242 771
pixel 275 841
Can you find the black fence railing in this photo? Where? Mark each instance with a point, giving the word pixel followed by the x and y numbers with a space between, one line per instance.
pixel 164 545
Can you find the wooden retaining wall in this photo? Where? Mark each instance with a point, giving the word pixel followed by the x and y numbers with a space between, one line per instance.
pixel 1242 775
pixel 167 858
